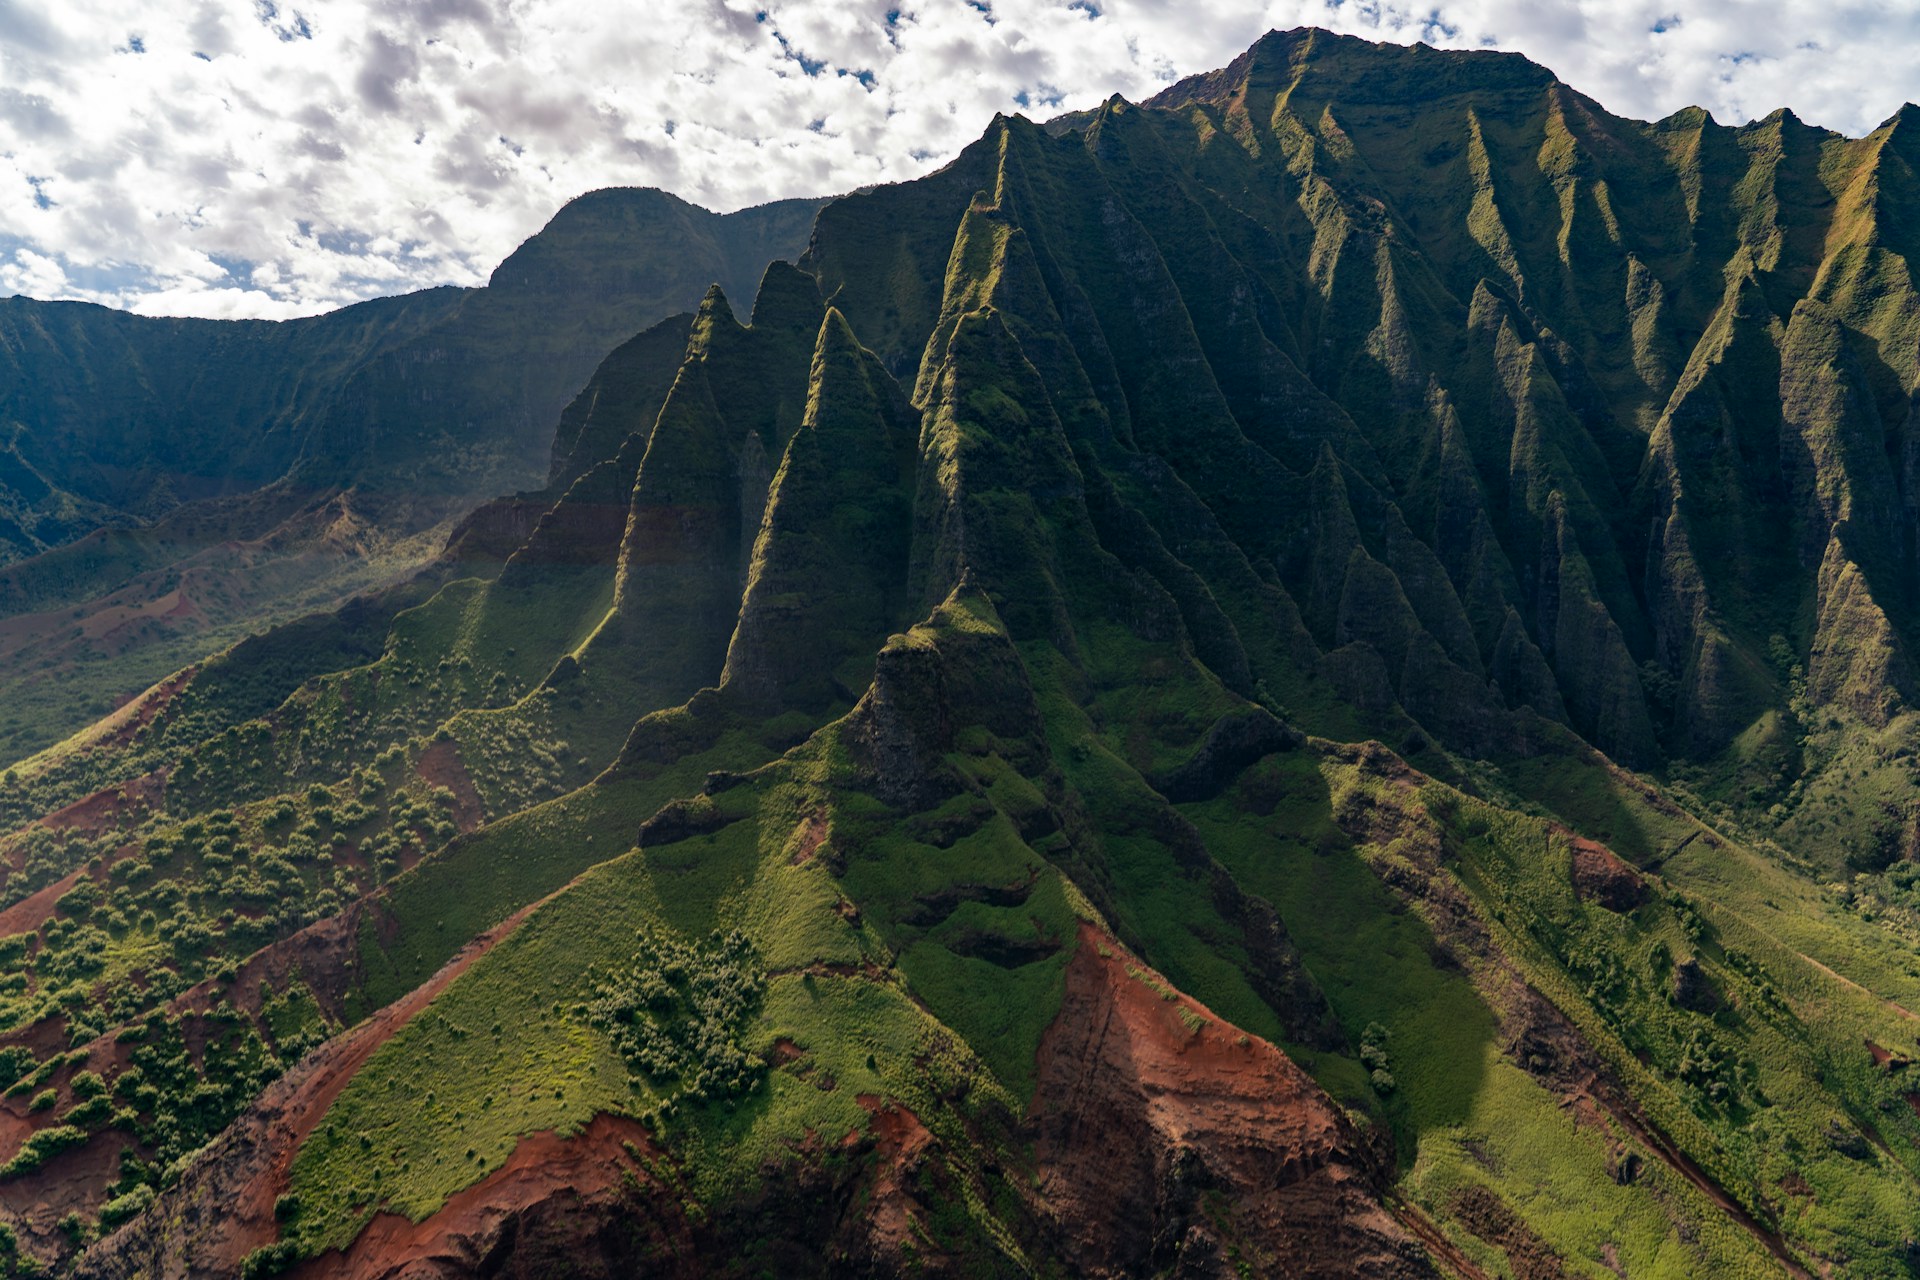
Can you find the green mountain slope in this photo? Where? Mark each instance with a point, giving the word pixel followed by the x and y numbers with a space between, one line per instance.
pixel 167 486
pixel 1304 678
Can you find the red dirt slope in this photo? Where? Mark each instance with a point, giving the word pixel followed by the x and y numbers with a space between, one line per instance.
pixel 223 1206
pixel 1168 1140
pixel 555 1200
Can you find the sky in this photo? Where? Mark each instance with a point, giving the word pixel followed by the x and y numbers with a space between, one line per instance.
pixel 274 158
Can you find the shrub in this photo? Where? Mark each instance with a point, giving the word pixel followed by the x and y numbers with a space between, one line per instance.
pixel 131 1205
pixel 88 1113
pixel 269 1260
pixel 42 1147
pixel 1373 1056
pixel 16 1060
pixel 79 900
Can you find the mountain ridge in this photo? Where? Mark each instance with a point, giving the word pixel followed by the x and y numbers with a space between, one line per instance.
pixel 193 479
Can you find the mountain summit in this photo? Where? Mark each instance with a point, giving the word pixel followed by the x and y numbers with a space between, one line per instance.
pixel 1313 677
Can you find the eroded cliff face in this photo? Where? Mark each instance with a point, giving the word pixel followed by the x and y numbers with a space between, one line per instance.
pixel 1091 731
pixel 1169 1141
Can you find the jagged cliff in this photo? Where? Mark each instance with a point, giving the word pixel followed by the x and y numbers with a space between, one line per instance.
pixel 169 485
pixel 1254 683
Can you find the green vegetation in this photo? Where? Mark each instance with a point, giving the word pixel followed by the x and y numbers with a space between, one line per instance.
pixel 676 1013
pixel 182 902
pixel 42 1146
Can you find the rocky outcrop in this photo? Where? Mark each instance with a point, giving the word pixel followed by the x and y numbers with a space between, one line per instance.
pixel 1234 742
pixel 1602 876
pixel 590 1205
pixel 829 560
pixel 1168 1142
pixel 947 673
pixel 1692 989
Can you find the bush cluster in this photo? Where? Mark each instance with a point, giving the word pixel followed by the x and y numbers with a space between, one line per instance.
pixel 1373 1056
pixel 676 1011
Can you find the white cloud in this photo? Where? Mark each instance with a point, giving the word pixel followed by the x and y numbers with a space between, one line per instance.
pixel 279 157
pixel 33 274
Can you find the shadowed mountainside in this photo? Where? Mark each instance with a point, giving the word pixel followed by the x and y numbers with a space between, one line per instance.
pixel 168 484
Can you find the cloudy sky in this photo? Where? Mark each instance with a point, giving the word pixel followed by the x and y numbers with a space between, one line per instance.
pixel 281 157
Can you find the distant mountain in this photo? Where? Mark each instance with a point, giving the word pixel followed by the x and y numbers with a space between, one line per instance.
pixel 112 418
pixel 1308 678
pixel 179 480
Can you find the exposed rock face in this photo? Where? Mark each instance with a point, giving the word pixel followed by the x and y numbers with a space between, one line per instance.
pixel 1150 1110
pixel 927 684
pixel 1600 875
pixel 584 1206
pixel 1692 989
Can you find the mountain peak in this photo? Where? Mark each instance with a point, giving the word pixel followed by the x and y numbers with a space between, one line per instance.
pixel 1326 65
pixel 1906 119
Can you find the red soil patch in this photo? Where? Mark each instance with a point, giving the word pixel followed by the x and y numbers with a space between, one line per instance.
pixel 223 1208
pixel 1600 875
pixel 1487 1216
pixel 101 623
pixel 1437 1243
pixel 440 765
pixel 31 911
pixel 139 711
pixel 1156 1121
pixel 359 1043
pixel 117 614
pixel 901 1144
pixel 73 1181
pixel 813 834
pixel 323 954
pixel 1886 1059
pixel 110 807
pixel 548 1185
